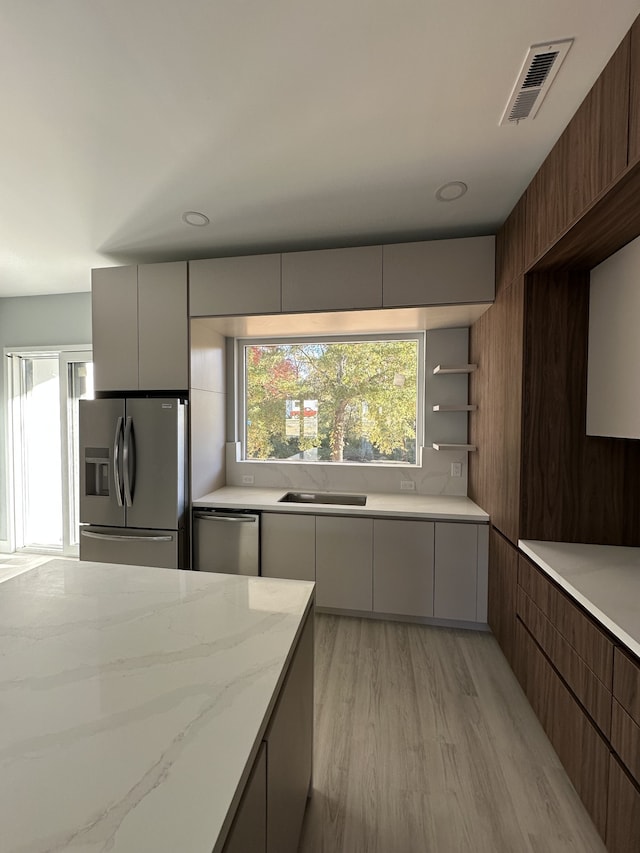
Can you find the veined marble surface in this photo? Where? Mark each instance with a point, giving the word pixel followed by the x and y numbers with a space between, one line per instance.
pixel 132 702
pixel 605 579
pixel 435 507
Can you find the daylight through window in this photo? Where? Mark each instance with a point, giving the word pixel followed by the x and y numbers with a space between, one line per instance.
pixel 338 401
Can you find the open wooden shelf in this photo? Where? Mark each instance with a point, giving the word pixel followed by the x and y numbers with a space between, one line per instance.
pixel 439 408
pixel 441 446
pixel 461 368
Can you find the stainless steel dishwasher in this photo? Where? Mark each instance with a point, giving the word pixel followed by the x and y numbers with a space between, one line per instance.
pixel 226 541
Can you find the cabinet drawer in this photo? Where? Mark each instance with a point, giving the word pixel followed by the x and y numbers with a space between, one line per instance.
pixel 626 684
pixel 593 646
pixel 582 751
pixel 587 687
pixel 623 824
pixel 625 739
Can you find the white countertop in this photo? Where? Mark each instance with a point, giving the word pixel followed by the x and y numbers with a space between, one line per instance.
pixel 605 579
pixel 132 702
pixel 436 507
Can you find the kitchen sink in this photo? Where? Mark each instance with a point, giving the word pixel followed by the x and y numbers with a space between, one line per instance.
pixel 323 498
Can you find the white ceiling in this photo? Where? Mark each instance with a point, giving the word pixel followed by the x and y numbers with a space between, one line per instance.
pixel 291 124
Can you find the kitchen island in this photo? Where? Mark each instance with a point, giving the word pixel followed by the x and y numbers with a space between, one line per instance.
pixel 135 701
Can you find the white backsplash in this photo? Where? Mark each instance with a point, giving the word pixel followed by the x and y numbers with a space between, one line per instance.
pixel 432 477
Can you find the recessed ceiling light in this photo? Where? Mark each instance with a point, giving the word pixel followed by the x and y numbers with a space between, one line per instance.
pixel 192 217
pixel 451 191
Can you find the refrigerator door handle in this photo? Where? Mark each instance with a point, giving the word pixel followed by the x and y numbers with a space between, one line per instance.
pixel 125 462
pixel 116 460
pixel 115 537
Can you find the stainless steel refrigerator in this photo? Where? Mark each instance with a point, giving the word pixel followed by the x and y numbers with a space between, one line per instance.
pixel 133 481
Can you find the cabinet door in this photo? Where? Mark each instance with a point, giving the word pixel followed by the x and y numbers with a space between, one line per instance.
pixel 248 833
pixel 623 817
pixel 403 567
pixel 634 95
pixel 163 358
pixel 114 317
pixel 344 562
pixel 439 272
pixel 245 285
pixel 290 750
pixel 582 751
pixel 288 546
pixel 503 579
pixel 332 279
pixel 456 571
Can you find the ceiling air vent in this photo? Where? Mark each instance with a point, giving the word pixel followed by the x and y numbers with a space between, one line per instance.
pixel 538 72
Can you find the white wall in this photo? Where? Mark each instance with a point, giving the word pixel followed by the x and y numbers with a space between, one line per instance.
pixel 613 387
pixel 37 321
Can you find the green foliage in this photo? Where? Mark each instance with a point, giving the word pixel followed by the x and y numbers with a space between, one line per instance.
pixel 366 392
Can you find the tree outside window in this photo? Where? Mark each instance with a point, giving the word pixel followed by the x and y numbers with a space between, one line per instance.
pixel 332 401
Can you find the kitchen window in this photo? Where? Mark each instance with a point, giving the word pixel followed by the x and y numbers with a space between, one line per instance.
pixel 349 399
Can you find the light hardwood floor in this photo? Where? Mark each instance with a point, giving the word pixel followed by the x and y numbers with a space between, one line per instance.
pixel 425 742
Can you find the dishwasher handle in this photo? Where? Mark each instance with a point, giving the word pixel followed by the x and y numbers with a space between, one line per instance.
pixel 210 516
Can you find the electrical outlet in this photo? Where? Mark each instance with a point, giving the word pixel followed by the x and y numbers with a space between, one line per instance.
pixel 456 469
pixel 407 486
pixel 247 479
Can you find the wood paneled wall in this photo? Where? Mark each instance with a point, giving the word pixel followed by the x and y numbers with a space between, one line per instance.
pixel 496 346
pixel 536 471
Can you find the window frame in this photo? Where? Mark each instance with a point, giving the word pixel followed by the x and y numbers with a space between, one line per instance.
pixel 265 340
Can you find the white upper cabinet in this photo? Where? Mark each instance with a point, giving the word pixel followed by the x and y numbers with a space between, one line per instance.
pixel 439 272
pixel 235 286
pixel 613 398
pixel 332 279
pixel 140 328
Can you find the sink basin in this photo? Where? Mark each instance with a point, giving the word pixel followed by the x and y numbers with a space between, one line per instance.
pixel 323 498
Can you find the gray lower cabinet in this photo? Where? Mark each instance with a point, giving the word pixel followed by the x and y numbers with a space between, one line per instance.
pixel 248 833
pixel 332 279
pixel 289 741
pixel 227 286
pixel 140 327
pixel 456 576
pixel 288 546
pixel 403 567
pixel 344 559
pixel 439 272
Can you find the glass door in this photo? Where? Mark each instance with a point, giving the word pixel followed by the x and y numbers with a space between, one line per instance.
pixel 46 387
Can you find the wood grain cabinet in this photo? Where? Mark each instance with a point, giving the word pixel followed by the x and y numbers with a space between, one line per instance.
pixel 288 546
pixel 403 567
pixel 344 562
pixel 634 95
pixel 623 818
pixel 439 272
pixel 581 749
pixel 588 157
pixel 332 279
pixel 625 727
pixel 503 581
pixel 140 328
pixel 242 285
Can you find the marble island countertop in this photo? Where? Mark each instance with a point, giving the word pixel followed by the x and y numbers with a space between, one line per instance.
pixel 435 507
pixel 605 579
pixel 133 701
